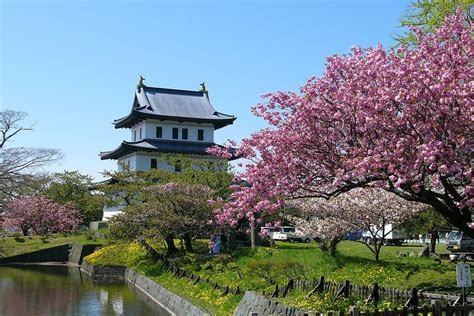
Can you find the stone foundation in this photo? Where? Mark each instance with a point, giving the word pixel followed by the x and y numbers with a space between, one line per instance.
pixel 253 304
pixel 170 301
pixel 105 274
pixel 78 252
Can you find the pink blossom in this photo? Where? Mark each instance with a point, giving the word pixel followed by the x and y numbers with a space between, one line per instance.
pixel 41 215
pixel 399 120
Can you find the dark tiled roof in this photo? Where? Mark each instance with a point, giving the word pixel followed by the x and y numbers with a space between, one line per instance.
pixel 158 146
pixel 172 104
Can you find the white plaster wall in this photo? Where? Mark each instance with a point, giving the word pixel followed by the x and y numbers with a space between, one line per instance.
pixel 150 130
pixel 129 158
pixel 136 128
pixel 141 161
pixel 110 211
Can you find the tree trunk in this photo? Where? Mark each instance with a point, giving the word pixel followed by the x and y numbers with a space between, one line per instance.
pixel 377 247
pixel 434 236
pixel 24 231
pixel 458 217
pixel 170 244
pixel 332 247
pixel 232 240
pixel 252 234
pixel 188 243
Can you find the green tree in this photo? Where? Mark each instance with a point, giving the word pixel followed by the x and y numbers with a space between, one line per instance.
pixel 74 188
pixel 428 15
pixel 426 222
pixel 160 204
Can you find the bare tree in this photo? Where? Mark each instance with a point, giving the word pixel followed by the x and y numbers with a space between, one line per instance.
pixel 19 166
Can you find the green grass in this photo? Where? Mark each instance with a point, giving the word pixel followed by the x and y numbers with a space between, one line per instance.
pixel 12 246
pixel 132 255
pixel 260 269
pixel 353 262
pixel 200 294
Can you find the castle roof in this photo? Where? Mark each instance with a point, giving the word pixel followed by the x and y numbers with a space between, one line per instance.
pixel 157 146
pixel 175 105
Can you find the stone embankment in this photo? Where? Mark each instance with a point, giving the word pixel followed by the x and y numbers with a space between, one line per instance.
pixel 173 303
pixel 257 305
pixel 67 253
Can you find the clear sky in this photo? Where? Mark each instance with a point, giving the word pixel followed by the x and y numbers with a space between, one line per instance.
pixel 74 65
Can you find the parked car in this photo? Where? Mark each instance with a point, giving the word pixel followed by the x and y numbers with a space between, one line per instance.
pixel 283 233
pixel 268 230
pixel 459 242
pixel 299 235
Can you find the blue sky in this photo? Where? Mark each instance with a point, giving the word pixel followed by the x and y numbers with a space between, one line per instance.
pixel 73 65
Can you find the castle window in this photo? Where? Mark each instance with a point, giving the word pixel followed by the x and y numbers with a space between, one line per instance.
pixel 134 135
pixel 200 134
pixel 175 132
pixel 140 133
pixel 184 133
pixel 153 164
pixel 159 132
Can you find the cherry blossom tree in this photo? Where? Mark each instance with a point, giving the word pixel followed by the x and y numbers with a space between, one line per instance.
pixel 41 215
pixel 169 210
pixel 402 120
pixel 361 209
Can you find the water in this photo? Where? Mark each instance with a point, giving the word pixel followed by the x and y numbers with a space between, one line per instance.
pixel 60 290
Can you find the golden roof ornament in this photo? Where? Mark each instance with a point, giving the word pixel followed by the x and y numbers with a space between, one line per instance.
pixel 140 83
pixel 203 87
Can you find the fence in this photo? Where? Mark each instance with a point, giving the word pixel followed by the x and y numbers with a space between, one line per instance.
pixel 194 279
pixel 374 293
pixel 415 302
pixel 434 310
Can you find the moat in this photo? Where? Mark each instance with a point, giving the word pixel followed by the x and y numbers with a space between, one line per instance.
pixel 64 290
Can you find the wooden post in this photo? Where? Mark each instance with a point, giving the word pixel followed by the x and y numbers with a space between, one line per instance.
pixel 405 311
pixel 252 234
pixel 275 293
pixel 355 311
pixel 318 288
pixel 374 296
pixel 448 310
pixel 226 291
pixel 343 291
pixel 413 300
pixel 346 288
pixel 437 308
pixel 288 287
pixel 425 310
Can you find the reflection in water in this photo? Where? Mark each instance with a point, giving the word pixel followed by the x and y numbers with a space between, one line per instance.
pixel 49 290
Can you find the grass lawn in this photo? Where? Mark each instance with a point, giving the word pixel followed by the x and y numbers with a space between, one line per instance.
pixel 260 269
pixel 292 260
pixel 12 246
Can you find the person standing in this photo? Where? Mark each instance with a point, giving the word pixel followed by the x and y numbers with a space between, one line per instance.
pixel 217 245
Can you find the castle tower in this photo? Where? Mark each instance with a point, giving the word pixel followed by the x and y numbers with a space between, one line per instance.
pixel 167 121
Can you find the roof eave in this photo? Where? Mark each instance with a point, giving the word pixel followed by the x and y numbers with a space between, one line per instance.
pixel 136 116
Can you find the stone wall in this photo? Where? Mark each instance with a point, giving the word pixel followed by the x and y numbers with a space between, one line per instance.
pixel 170 301
pixel 78 252
pixel 166 299
pixel 104 274
pixel 253 304
pixel 53 254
